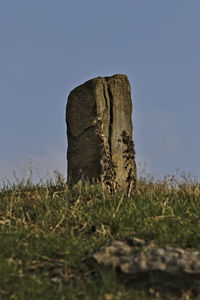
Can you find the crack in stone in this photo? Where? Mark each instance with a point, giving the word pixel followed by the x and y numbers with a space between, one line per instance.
pixel 82 132
pixel 104 94
pixel 111 121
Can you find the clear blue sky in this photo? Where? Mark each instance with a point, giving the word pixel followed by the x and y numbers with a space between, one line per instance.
pixel 48 47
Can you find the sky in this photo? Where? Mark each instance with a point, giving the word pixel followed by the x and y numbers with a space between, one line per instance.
pixel 49 47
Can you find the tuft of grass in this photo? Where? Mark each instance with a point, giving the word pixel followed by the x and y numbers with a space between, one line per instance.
pixel 48 233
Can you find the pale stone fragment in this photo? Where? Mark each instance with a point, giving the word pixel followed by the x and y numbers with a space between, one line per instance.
pixel 143 258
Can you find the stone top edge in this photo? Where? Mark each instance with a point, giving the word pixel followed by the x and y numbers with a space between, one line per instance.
pixel 99 78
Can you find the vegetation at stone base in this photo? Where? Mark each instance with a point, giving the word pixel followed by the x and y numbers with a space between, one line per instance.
pixel 48 234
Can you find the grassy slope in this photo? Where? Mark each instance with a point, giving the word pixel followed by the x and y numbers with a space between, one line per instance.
pixel 48 234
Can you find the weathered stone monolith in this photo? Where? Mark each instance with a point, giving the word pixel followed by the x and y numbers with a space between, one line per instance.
pixel 99 130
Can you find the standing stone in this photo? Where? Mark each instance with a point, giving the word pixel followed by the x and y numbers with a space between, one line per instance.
pixel 99 130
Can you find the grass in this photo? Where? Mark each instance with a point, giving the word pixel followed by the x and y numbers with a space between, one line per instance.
pixel 48 234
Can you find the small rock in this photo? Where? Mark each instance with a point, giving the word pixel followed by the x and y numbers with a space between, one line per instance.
pixel 139 258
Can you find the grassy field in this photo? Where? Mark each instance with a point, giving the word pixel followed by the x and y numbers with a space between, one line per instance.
pixel 48 234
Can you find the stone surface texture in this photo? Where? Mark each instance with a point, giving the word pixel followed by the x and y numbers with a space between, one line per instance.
pixel 142 257
pixel 99 130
